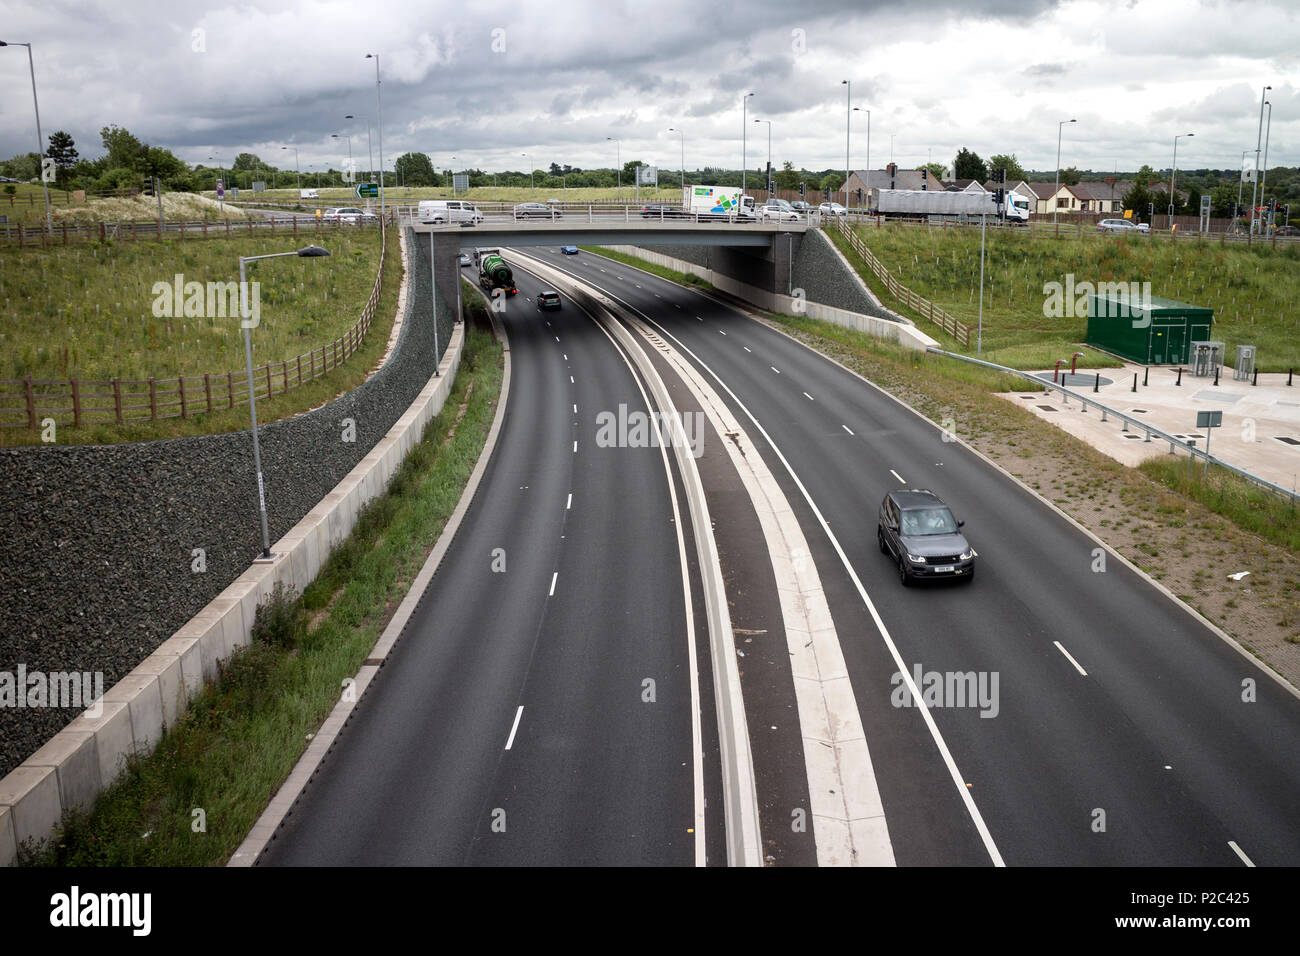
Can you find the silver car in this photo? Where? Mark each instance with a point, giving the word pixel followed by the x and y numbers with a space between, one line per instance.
pixel 1117 225
pixel 536 210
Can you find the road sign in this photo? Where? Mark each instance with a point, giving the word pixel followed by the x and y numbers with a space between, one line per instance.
pixel 221 190
pixel 367 191
pixel 1209 419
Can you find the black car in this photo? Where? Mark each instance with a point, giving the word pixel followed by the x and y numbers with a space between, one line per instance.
pixel 660 211
pixel 1287 231
pixel 918 531
pixel 548 300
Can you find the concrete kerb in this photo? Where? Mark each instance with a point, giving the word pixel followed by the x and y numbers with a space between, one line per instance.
pixel 269 822
pixel 136 709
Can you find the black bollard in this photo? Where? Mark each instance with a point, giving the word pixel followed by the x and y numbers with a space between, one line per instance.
pixel 1255 381
pixel 1097 382
pixel 1145 372
pixel 1180 377
pixel 1216 375
pixel 1135 381
pixel 1288 377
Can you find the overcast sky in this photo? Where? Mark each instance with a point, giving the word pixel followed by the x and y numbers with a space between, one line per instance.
pixel 485 82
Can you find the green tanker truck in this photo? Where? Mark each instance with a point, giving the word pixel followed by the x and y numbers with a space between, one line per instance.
pixel 493 273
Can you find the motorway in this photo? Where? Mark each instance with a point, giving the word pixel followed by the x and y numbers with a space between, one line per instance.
pixel 1123 732
pixel 512 723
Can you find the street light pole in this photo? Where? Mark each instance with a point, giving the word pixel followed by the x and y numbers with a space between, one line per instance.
pixel 1258 135
pixel 744 133
pixel 379 106
pixel 848 115
pixel 40 140
pixel 1236 211
pixel 1056 203
pixel 618 154
pixel 1172 173
pixel 1263 173
pixel 859 109
pixel 307 252
pixel 767 185
pixel 532 185
pixel 296 165
pixel 349 139
pixel 683 136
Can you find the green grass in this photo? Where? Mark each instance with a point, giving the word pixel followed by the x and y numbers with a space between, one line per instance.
pixel 27 206
pixel 86 310
pixel 681 278
pixel 242 736
pixel 1252 290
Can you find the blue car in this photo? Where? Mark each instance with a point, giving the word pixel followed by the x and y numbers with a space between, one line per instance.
pixel 569 250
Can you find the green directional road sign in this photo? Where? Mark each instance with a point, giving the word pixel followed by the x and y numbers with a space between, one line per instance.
pixel 367 191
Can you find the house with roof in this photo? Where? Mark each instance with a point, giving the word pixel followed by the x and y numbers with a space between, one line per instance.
pixel 1102 197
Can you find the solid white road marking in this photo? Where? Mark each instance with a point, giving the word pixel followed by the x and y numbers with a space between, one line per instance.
pixel 515 726
pixel 569 504
pixel 809 397
pixel 775 369
pixel 898 476
pixel 747 348
pixel 575 446
pixel 554 576
pixel 1237 850
pixel 847 429
pixel 1070 659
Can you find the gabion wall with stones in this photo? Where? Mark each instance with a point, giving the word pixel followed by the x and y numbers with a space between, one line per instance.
pixel 98 541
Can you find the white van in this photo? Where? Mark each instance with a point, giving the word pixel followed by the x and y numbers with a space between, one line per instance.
pixel 448 210
pixel 308 194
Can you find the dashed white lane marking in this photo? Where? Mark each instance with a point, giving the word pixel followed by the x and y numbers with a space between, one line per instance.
pixel 809 397
pixel 898 476
pixel 554 576
pixel 775 369
pixel 699 318
pixel 557 338
pixel 569 504
pixel 1060 648
pixel 847 429
pixel 1237 850
pixel 566 356
pixel 747 348
pixel 720 332
pixel 571 381
pixel 575 408
pixel 575 446
pixel 515 726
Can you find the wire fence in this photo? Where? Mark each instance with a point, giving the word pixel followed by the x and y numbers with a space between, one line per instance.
pixel 32 403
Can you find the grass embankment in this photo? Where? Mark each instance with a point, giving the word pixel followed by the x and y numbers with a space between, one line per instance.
pixel 682 278
pixel 86 310
pixel 241 737
pixel 1252 290
pixel 27 205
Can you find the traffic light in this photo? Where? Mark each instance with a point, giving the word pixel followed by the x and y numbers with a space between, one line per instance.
pixel 925 177
pixel 803 189
pixel 1000 175
pixel 148 186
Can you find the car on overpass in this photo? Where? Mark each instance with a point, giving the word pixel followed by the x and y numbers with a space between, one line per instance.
pixel 535 210
pixel 465 260
pixel 656 210
pixel 919 532
pixel 777 210
pixel 832 209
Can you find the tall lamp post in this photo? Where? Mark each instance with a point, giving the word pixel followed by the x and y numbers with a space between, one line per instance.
pixel 1056 202
pixel 768 185
pixel 296 165
pixel 859 109
pixel 618 154
pixel 307 252
pixel 370 152
pixel 532 186
pixel 348 137
pixel 40 140
pixel 744 132
pixel 379 106
pixel 1172 173
pixel 1263 172
pixel 848 116
pixel 1236 210
pixel 1258 135
pixel 683 136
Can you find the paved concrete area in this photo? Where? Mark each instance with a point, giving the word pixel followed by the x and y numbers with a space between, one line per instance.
pixel 1261 423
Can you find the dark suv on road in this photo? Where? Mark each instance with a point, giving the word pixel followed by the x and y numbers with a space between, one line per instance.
pixel 918 531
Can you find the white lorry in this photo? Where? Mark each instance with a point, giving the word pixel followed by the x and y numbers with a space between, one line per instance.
pixel 723 202
pixel 921 202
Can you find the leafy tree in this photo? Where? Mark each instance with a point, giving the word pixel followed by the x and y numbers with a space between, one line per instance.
pixel 786 177
pixel 24 167
pixel 832 181
pixel 1008 161
pixel 123 148
pixel 62 150
pixel 1146 175
pixel 415 169
pixel 248 162
pixel 156 161
pixel 1069 176
pixel 1137 199
pixel 968 165
pixel 936 171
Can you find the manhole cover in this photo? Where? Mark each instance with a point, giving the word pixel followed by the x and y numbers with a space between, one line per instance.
pixel 1047 408
pixel 1129 435
pixel 1289 441
pixel 1137 411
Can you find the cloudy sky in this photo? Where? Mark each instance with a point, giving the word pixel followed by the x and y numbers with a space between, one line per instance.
pixel 487 82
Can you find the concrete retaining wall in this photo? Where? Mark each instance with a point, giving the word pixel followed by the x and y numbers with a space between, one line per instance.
pixel 87 754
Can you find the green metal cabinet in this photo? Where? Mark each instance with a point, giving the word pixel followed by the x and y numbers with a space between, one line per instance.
pixel 1150 330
